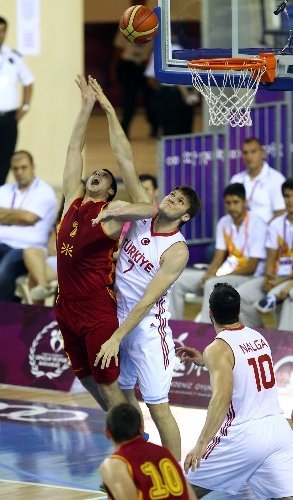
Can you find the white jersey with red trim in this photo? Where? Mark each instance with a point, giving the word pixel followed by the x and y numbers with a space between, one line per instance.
pixel 254 386
pixel 138 263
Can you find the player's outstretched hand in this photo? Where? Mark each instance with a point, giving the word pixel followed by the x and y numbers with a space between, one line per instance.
pixel 104 215
pixel 190 354
pixel 104 102
pixel 108 351
pixel 193 458
pixel 87 92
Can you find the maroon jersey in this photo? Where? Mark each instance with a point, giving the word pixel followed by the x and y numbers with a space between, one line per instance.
pixel 84 253
pixel 154 470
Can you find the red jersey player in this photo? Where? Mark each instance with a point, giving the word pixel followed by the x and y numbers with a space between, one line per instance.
pixel 139 469
pixel 86 306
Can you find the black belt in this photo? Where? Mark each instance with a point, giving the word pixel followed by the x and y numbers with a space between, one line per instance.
pixel 3 113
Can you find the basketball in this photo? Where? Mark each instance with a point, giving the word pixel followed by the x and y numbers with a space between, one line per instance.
pixel 139 24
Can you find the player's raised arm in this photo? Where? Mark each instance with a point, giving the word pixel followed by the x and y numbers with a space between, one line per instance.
pixel 74 163
pixel 121 149
pixel 123 211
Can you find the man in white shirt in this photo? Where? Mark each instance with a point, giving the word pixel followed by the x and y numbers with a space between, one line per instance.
pixel 13 70
pixel 278 272
pixel 239 254
pixel 27 213
pixel 262 183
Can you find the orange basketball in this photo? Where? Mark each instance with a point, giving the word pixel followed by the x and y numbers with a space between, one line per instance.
pixel 139 24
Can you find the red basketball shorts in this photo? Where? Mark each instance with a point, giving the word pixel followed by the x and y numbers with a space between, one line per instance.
pixel 85 325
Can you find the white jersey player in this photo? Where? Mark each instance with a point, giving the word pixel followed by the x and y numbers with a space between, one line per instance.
pixel 147 353
pixel 246 437
pixel 138 263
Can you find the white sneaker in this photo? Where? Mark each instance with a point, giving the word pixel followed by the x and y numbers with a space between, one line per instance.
pixel 267 304
pixel 40 292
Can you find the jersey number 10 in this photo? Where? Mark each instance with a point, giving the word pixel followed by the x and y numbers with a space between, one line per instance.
pixel 260 373
pixel 167 482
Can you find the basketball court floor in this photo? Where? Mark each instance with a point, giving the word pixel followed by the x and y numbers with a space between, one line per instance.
pixel 51 443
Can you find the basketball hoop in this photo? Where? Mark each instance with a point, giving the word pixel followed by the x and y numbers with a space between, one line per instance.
pixel 229 85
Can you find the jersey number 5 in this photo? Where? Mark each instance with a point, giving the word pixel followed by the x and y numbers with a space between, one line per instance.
pixel 263 371
pixel 167 482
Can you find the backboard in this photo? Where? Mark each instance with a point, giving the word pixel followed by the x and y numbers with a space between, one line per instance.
pixel 223 28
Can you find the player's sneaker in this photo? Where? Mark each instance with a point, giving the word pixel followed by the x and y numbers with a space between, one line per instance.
pixel 41 292
pixel 267 304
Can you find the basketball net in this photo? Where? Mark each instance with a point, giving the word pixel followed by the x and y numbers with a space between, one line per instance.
pixel 230 100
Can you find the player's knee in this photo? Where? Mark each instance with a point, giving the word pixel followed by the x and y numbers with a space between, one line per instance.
pixel 159 411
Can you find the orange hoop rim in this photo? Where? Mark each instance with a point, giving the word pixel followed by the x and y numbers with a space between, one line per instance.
pixel 233 63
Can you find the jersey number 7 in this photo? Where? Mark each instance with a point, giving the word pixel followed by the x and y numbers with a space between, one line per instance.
pixel 131 266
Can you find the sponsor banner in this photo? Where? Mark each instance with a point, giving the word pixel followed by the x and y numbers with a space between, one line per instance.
pixel 190 384
pixel 32 354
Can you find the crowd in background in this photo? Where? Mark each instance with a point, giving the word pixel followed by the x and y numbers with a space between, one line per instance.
pixel 28 205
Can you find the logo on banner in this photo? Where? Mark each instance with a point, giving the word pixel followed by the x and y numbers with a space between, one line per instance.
pixel 189 379
pixel 284 375
pixel 37 413
pixel 46 355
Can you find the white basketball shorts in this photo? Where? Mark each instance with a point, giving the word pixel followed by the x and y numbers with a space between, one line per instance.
pixel 147 355
pixel 259 452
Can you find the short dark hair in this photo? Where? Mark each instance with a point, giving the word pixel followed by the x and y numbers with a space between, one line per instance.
pixel 25 153
pixel 3 21
pixel 248 140
pixel 288 184
pixel 149 177
pixel 193 199
pixel 225 304
pixel 235 189
pixel 123 422
pixel 113 185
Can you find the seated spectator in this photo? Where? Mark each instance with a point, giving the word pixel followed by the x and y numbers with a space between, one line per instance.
pixel 42 266
pixel 150 184
pixel 270 302
pixel 262 185
pixel 239 254
pixel 279 270
pixel 27 212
